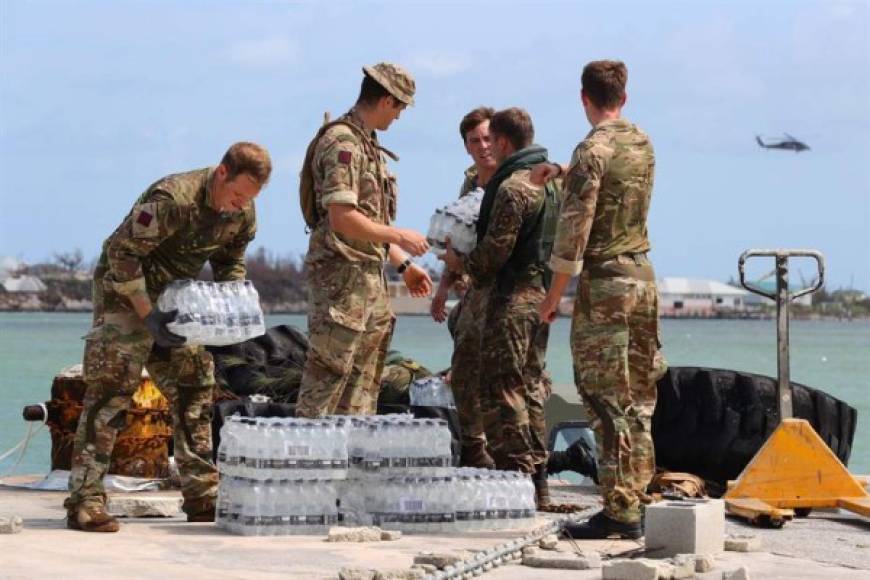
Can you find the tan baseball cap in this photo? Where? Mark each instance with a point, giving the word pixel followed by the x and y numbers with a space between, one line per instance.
pixel 395 79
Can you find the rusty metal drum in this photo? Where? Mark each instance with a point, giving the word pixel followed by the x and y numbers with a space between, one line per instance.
pixel 142 446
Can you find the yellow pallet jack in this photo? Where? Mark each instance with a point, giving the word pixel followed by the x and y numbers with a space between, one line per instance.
pixel 794 471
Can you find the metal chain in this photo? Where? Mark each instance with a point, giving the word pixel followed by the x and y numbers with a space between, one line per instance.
pixel 490 558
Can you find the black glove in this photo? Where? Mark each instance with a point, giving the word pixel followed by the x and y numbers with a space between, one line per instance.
pixel 156 322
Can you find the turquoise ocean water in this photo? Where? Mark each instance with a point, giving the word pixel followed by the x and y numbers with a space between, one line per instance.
pixel 833 356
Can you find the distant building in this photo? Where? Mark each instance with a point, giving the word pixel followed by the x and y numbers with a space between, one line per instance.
pixel 699 298
pixel 403 303
pixel 9 266
pixel 769 286
pixel 24 285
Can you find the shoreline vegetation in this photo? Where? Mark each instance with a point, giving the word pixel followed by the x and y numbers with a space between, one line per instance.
pixel 64 285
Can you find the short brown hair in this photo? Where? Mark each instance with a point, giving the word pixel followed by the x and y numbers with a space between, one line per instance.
pixel 250 159
pixel 473 119
pixel 371 91
pixel 516 125
pixel 603 81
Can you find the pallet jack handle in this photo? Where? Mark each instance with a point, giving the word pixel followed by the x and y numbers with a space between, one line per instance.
pixel 782 297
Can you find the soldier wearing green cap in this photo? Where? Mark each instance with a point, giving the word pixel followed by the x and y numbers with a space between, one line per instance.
pixel 350 321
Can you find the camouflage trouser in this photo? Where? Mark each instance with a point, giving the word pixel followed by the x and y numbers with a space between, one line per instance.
pixel 116 349
pixel 350 324
pixel 465 377
pixel 513 383
pixel 617 361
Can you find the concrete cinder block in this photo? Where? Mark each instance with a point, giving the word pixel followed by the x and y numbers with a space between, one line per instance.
pixel 342 534
pixel 741 573
pixel 742 543
pixel 684 566
pixel 563 560
pixel 639 569
pixel 143 506
pixel 695 526
pixel 11 524
pixel 439 560
pixel 704 563
pixel 549 542
pixel 391 535
pixel 356 574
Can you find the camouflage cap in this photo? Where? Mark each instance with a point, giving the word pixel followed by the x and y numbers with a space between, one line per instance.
pixel 395 79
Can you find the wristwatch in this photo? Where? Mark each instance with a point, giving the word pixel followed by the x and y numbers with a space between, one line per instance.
pixel 403 266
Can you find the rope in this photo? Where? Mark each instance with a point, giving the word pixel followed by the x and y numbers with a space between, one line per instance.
pixel 24 443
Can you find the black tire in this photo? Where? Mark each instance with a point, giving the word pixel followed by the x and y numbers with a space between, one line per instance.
pixel 712 422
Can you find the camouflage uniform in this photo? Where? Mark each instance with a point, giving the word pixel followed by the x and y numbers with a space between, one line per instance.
pixel 602 236
pixel 168 235
pixel 465 363
pixel 350 321
pixel 513 384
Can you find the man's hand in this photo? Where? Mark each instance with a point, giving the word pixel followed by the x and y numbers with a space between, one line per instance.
pixel 549 308
pixel 451 258
pixel 438 308
pixel 412 242
pixel 156 322
pixel 544 172
pixel 417 280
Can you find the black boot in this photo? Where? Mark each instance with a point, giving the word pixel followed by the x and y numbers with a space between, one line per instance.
pixel 578 457
pixel 542 489
pixel 600 527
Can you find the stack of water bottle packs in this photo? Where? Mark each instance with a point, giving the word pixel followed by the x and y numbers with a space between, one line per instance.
pixel 282 476
pixel 213 313
pixel 458 221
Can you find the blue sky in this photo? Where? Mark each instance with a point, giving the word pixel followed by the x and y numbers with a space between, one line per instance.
pixel 99 99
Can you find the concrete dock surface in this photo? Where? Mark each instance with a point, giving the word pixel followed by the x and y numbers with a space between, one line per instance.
pixel 832 545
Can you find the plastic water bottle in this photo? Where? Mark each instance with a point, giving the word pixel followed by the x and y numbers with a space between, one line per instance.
pixel 456 220
pixel 215 313
pixel 255 312
pixel 432 392
pixel 434 232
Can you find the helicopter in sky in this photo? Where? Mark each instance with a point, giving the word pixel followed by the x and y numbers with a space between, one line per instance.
pixel 789 143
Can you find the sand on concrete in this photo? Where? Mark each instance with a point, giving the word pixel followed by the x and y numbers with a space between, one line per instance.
pixel 826 545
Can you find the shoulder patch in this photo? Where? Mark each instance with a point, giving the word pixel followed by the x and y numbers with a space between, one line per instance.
pixel 344 157
pixel 145 224
pixel 144 219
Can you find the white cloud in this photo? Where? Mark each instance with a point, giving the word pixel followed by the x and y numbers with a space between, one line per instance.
pixel 264 53
pixel 439 65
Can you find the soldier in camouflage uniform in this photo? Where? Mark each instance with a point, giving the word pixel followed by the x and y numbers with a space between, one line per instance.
pixel 176 225
pixel 350 321
pixel 602 237
pixel 508 262
pixel 469 313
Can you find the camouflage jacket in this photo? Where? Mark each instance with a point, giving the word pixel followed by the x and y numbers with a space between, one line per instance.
pixel 516 202
pixel 469 184
pixel 608 188
pixel 349 170
pixel 170 234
